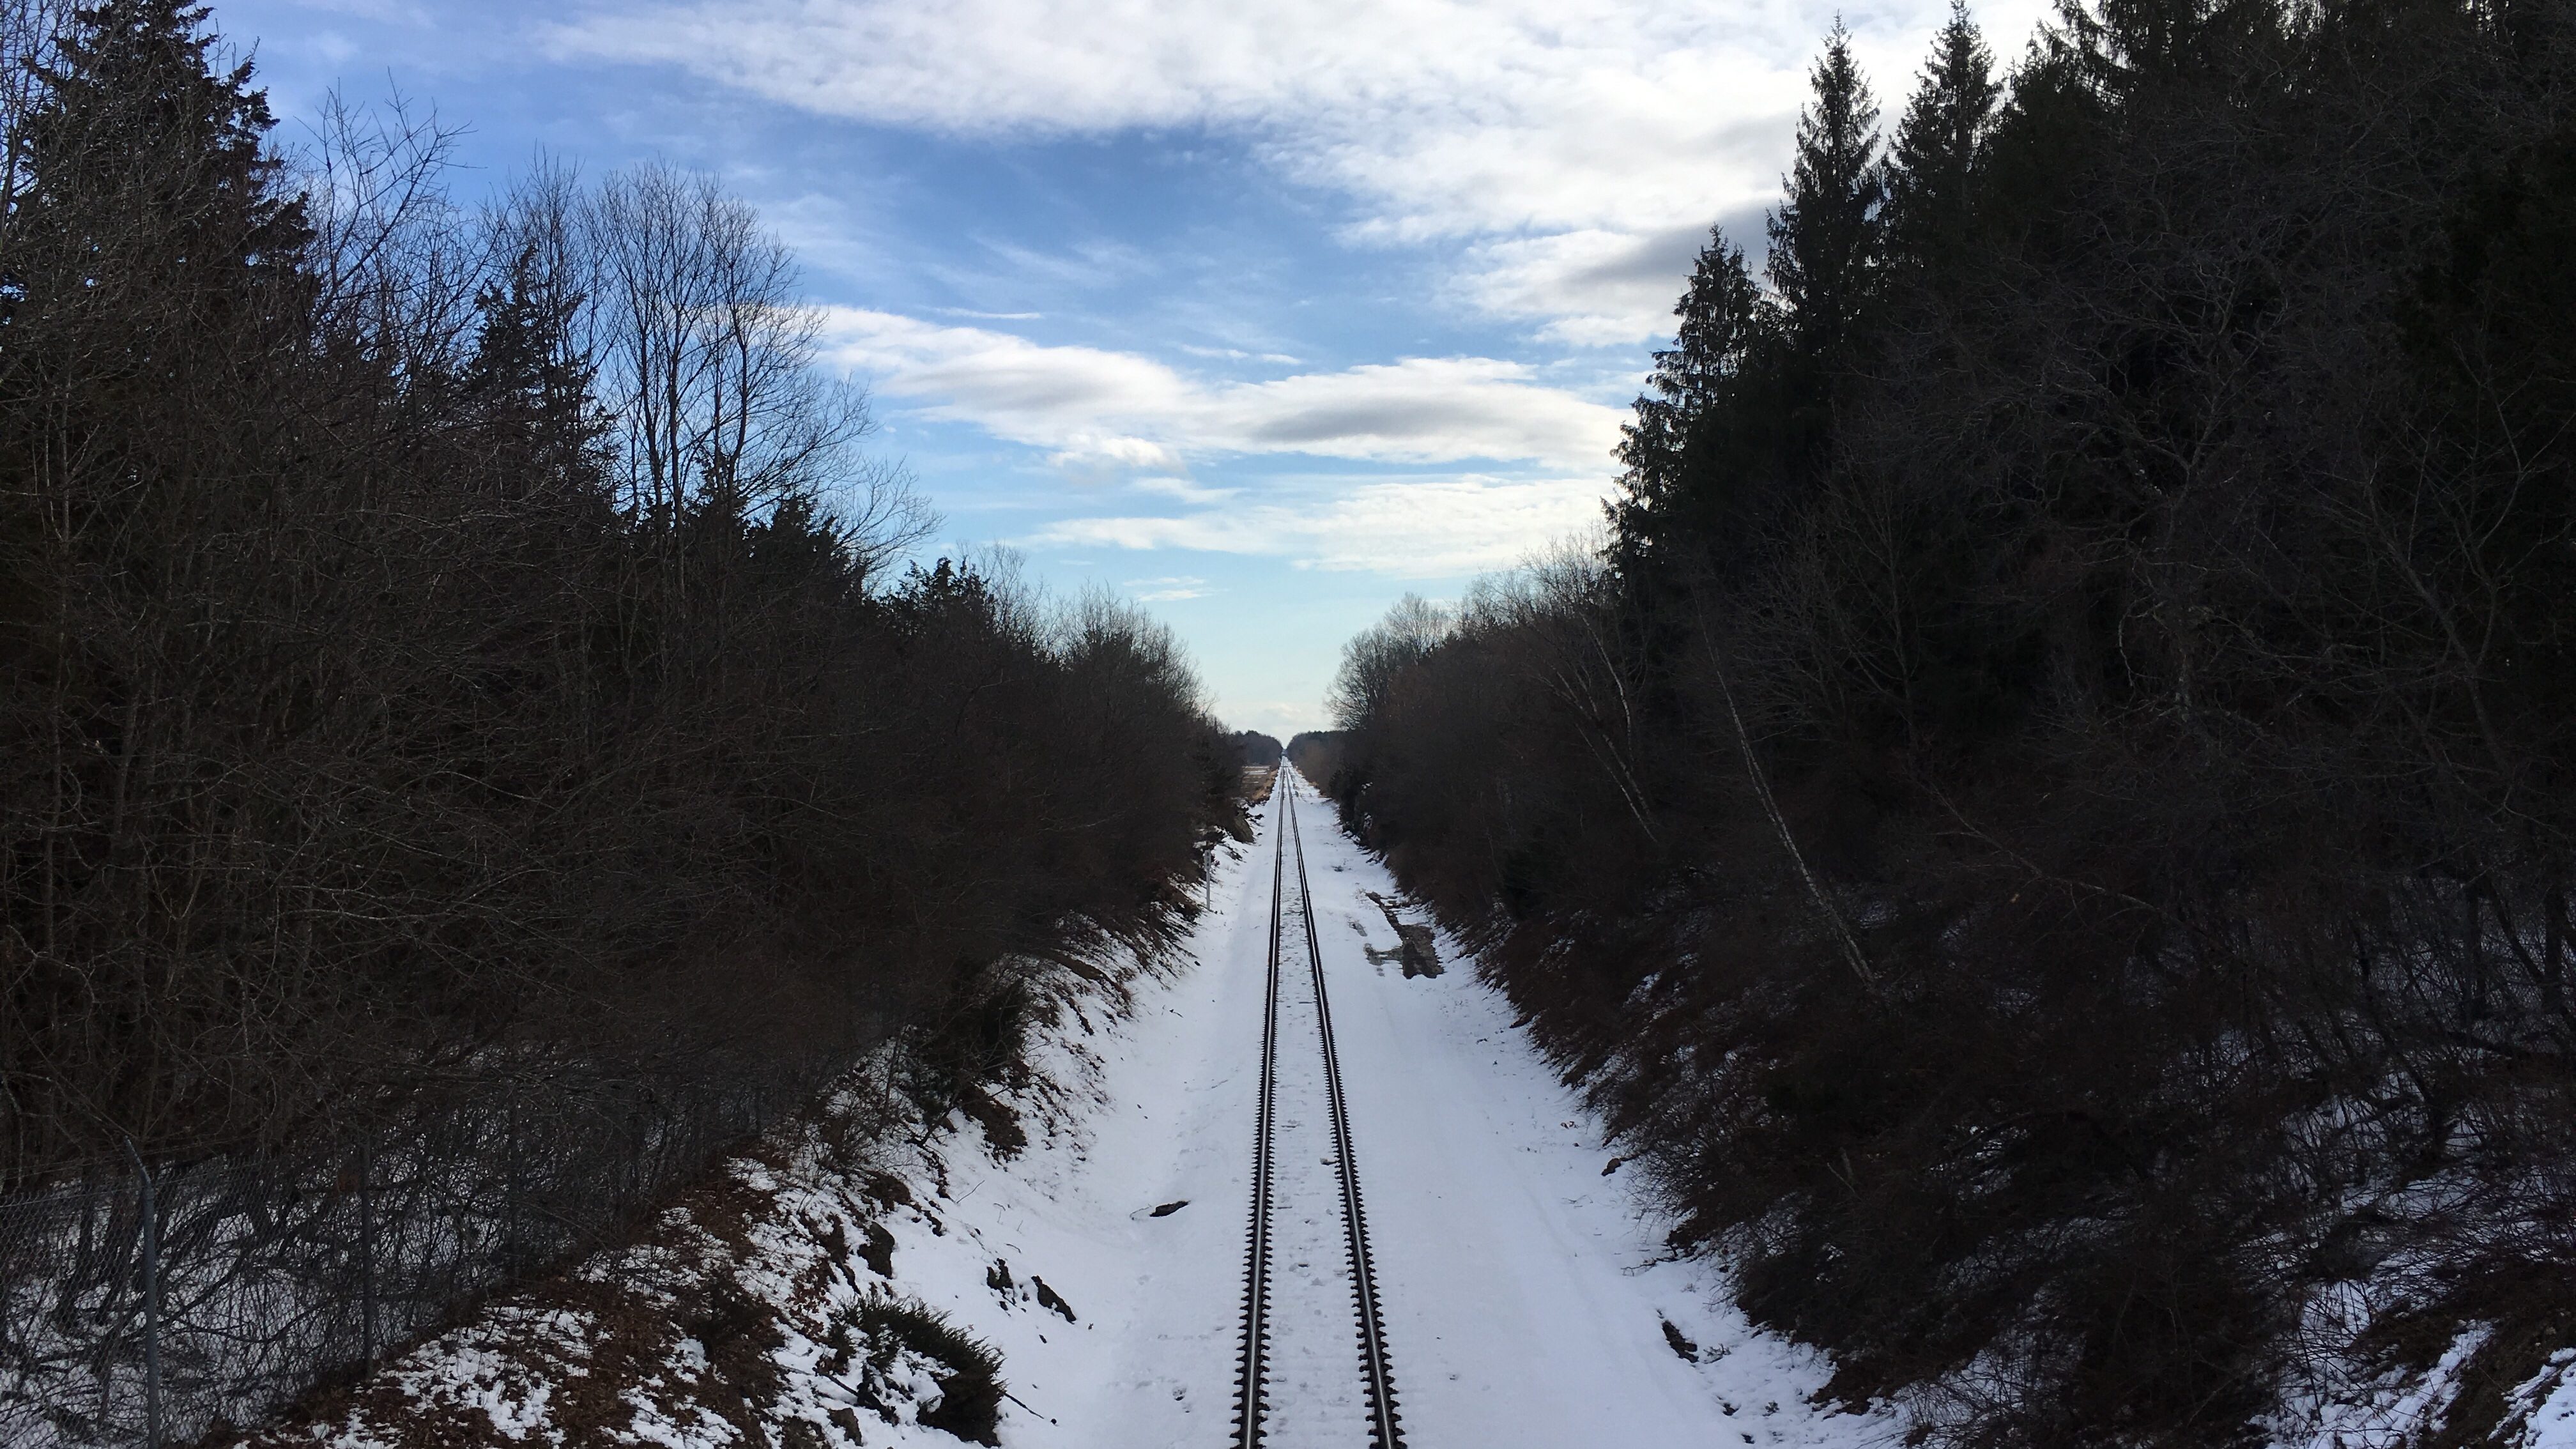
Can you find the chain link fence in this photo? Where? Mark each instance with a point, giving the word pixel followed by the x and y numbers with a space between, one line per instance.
pixel 151 1307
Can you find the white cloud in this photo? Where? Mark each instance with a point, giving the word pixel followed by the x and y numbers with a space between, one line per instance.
pixel 385 11
pixel 1414 528
pixel 1592 287
pixel 1105 414
pixel 1279 718
pixel 1169 590
pixel 1094 458
pixel 1553 139
pixel 1237 354
pixel 1183 489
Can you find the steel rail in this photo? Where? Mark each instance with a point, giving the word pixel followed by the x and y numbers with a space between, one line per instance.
pixel 1378 1376
pixel 1383 1431
pixel 1250 1377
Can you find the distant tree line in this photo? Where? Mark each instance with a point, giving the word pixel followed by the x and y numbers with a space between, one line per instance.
pixel 1258 750
pixel 443 646
pixel 1317 752
pixel 2047 825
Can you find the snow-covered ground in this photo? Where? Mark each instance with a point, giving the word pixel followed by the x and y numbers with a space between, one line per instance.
pixel 1526 1298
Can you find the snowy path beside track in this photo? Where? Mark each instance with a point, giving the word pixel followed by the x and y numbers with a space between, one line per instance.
pixel 1524 1298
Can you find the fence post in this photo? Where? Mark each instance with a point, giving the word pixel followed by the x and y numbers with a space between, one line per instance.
pixel 151 1223
pixel 366 1256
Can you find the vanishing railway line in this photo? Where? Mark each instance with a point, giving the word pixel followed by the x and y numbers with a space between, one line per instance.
pixel 1294 1214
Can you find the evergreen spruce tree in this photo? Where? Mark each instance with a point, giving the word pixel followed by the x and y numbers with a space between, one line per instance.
pixel 151 273
pixel 147 170
pixel 1825 236
pixel 1720 315
pixel 2127 50
pixel 1723 314
pixel 531 387
pixel 2042 142
pixel 1931 166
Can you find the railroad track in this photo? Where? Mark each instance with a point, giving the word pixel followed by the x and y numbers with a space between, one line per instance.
pixel 1254 1409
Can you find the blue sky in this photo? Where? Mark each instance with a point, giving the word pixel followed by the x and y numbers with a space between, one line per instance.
pixel 1260 314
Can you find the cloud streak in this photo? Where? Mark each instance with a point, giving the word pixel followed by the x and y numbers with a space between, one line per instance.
pixel 1168 590
pixel 1108 414
pixel 1403 528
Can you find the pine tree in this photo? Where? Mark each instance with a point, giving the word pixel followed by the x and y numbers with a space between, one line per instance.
pixel 152 269
pixel 1825 236
pixel 531 386
pixel 147 169
pixel 2127 49
pixel 1722 317
pixel 1932 163
pixel 2043 141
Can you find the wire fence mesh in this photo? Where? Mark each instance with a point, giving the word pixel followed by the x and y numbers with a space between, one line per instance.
pixel 152 1307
